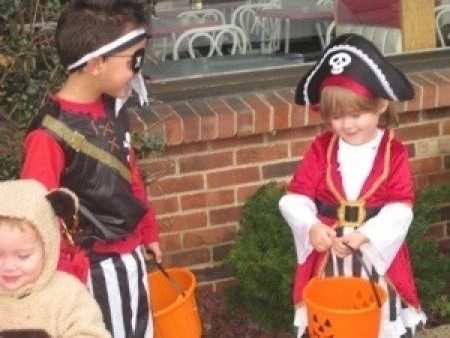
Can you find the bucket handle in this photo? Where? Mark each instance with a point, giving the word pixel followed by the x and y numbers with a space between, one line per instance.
pixel 358 254
pixel 172 281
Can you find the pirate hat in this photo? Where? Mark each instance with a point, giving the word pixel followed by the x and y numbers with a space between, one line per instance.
pixel 354 62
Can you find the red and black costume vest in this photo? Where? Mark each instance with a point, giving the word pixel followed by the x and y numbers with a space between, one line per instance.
pixel 318 178
pixel 96 170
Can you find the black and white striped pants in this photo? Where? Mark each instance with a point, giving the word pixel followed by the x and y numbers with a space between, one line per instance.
pixel 119 284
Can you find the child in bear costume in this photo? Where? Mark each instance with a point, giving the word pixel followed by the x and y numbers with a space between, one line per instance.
pixel 36 300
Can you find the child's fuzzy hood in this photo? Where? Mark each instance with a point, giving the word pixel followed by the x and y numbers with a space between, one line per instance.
pixel 29 200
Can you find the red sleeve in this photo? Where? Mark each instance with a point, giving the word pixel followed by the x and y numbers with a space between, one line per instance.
pixel 148 226
pixel 44 159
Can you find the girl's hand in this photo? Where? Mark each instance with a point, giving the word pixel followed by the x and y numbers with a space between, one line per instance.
pixel 151 251
pixel 321 237
pixel 355 240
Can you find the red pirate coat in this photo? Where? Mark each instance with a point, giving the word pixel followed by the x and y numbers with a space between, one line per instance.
pixel 389 181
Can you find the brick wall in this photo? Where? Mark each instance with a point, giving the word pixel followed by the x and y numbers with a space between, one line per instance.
pixel 219 150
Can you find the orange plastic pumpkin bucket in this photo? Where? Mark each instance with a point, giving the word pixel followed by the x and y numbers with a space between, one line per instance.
pixel 343 307
pixel 174 315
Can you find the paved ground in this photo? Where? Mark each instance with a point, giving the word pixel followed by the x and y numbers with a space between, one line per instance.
pixel 442 331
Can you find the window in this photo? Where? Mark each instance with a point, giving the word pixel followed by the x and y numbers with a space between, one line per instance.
pixel 221 43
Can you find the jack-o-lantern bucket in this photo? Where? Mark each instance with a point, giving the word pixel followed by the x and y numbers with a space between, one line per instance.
pixel 175 315
pixel 343 307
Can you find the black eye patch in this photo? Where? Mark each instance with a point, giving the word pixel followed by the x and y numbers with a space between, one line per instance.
pixel 137 60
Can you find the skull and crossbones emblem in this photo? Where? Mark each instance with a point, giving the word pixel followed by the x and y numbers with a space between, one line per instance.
pixel 339 61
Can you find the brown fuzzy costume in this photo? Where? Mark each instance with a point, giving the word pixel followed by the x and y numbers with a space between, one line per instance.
pixel 56 304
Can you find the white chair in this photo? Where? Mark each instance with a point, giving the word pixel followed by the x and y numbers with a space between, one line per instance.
pixel 270 2
pixel 261 32
pixel 202 15
pixel 322 26
pixel 212 39
pixel 387 39
pixel 442 18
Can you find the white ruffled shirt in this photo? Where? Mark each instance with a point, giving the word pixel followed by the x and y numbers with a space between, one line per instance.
pixel 300 212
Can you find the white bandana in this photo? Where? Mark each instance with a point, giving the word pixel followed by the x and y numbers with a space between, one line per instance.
pixel 137 83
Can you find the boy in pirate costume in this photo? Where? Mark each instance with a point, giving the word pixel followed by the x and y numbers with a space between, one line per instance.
pixel 81 141
pixel 354 185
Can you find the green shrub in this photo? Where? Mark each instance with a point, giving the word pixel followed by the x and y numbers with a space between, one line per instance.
pixel 29 71
pixel 431 267
pixel 263 259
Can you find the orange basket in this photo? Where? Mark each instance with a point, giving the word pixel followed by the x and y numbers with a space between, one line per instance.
pixel 343 307
pixel 175 314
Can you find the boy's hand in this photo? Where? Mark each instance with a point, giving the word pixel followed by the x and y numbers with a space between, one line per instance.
pixel 152 250
pixel 321 237
pixel 355 240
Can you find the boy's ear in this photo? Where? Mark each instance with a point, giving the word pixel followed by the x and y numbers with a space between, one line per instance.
pixel 94 65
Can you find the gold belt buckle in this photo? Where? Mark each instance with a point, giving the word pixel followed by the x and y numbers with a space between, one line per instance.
pixel 341 213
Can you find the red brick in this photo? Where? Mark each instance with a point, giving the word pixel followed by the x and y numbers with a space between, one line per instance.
pixel 233 177
pixel 299 149
pixel 261 154
pixel 224 215
pixel 188 258
pixel 185 183
pixel 207 199
pixel 446 127
pixel 425 165
pixel 240 142
pixel 207 237
pixel 227 117
pixel 263 113
pixel 181 222
pixel 206 161
pixel 173 125
pixel 154 169
pixel 426 91
pixel 166 205
pixel 417 132
pixel 245 116
pixel 182 149
pixel 191 122
pixel 437 230
pixel 170 242
pixel 209 120
pixel 278 170
pixel 281 111
pixel 245 192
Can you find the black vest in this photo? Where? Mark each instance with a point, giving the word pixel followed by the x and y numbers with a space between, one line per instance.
pixel 100 175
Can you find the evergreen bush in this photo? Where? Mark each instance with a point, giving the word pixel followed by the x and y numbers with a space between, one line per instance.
pixel 263 259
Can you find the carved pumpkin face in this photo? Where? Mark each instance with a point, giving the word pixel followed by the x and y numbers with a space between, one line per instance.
pixel 320 329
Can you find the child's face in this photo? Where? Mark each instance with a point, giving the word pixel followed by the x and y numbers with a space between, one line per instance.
pixel 356 129
pixel 118 71
pixel 21 255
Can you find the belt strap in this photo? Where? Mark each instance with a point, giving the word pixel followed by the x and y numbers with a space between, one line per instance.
pixel 351 212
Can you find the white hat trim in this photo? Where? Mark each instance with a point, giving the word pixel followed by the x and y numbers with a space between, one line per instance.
pixel 108 47
pixel 363 56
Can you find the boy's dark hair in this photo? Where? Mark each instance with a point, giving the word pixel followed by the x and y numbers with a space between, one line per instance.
pixel 86 25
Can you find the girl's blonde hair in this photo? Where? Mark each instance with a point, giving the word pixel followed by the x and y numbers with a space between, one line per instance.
pixel 337 101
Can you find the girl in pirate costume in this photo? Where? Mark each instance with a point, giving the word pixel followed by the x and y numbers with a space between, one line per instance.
pixel 81 141
pixel 354 185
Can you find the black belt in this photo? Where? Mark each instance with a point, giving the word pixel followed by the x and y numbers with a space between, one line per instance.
pixel 349 213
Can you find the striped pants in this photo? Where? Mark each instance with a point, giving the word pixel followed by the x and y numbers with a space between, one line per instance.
pixel 119 285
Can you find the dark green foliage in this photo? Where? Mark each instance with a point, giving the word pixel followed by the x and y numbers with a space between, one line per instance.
pixel 28 72
pixel 431 268
pixel 263 261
